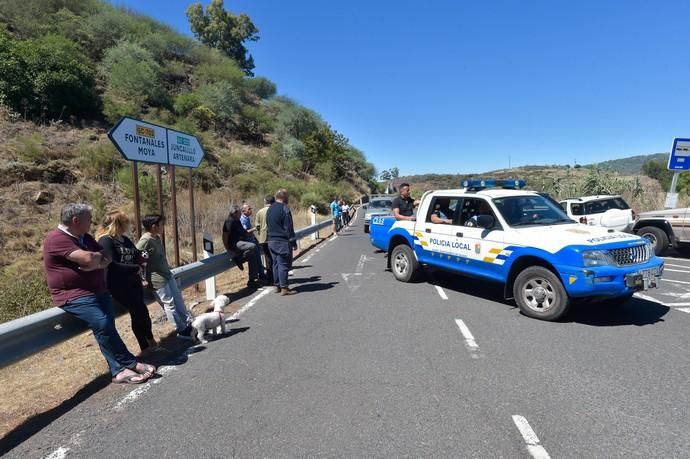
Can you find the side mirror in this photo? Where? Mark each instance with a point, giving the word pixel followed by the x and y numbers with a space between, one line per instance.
pixel 312 208
pixel 486 221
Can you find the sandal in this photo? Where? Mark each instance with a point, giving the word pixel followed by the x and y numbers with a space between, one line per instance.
pixel 131 379
pixel 150 369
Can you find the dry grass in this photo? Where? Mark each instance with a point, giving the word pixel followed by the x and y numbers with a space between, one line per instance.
pixel 44 381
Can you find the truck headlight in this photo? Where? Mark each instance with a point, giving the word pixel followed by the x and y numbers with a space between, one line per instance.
pixel 596 258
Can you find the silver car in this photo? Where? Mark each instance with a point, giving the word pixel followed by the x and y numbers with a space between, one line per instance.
pixel 377 206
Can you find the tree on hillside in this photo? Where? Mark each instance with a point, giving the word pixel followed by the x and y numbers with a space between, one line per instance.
pixel 47 76
pixel 225 31
pixel 657 170
pixel 133 80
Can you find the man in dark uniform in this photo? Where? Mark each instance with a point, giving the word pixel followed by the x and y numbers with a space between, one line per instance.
pixel 281 241
pixel 403 205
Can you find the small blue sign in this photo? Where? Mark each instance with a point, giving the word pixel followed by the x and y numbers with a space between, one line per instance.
pixel 680 155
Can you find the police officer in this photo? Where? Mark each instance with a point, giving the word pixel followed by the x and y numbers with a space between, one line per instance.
pixel 403 205
pixel 281 241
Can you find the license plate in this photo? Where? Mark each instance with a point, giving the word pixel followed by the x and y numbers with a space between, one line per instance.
pixel 643 279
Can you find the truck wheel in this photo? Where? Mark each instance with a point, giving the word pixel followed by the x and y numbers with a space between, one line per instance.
pixel 366 228
pixel 404 264
pixel 656 236
pixel 540 294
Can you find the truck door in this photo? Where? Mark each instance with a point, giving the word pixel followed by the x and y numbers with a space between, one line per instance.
pixel 481 247
pixel 434 232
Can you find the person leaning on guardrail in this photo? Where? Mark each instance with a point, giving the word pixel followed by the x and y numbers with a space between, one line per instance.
pixel 74 265
pixel 281 241
pixel 236 244
pixel 161 279
pixel 123 278
pixel 262 234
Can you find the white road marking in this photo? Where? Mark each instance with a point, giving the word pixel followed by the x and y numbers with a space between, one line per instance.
pixel 360 263
pixel 646 297
pixel 441 293
pixel 675 281
pixel 249 304
pixel 141 390
pixel 676 259
pixel 470 342
pixel 534 446
pixel 676 270
pixel 676 266
pixel 59 453
pixel 670 305
pixel 684 310
pixel 335 236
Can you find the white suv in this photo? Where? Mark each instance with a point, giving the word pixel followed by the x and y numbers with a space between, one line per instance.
pixel 607 211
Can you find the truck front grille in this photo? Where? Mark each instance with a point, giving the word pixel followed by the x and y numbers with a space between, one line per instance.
pixel 632 255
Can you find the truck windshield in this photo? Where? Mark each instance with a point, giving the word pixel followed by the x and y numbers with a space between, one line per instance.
pixel 530 210
pixel 381 204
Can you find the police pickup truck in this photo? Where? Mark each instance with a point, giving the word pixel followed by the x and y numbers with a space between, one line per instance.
pixel 491 229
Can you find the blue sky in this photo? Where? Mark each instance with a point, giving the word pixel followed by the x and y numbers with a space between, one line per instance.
pixel 459 86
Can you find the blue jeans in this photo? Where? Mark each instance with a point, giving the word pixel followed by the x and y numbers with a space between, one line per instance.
pixel 282 261
pixel 97 312
pixel 170 297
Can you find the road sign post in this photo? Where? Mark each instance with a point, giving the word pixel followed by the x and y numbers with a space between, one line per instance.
pixel 140 141
pixel 678 161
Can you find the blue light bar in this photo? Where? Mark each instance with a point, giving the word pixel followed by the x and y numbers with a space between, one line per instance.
pixel 479 184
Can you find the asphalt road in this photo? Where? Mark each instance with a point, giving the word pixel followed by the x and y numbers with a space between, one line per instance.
pixel 360 365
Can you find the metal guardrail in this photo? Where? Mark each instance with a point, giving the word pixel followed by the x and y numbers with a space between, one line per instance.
pixel 28 335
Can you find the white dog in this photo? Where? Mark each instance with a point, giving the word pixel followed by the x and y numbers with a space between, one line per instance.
pixel 210 320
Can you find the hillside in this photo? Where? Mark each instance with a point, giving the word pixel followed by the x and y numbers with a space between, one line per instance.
pixel 70 69
pixel 631 165
pixel 642 192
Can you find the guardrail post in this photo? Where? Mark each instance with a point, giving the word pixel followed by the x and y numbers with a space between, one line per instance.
pixel 315 235
pixel 208 253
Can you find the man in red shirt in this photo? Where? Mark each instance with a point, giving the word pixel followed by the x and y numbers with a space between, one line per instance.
pixel 74 270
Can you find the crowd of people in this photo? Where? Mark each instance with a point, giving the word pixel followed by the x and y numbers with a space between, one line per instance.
pixel 340 212
pixel 85 273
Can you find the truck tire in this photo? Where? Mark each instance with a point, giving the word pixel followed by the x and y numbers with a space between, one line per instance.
pixel 366 228
pixel 404 264
pixel 540 294
pixel 656 236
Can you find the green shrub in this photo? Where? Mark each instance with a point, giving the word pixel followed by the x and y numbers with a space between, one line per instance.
pixel 30 148
pixel 262 88
pixel 222 70
pixel 186 102
pixel 224 100
pixel 148 193
pixel 99 161
pixel 133 78
pixel 254 124
pixel 96 198
pixel 22 294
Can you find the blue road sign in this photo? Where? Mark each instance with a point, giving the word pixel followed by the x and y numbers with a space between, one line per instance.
pixel 679 160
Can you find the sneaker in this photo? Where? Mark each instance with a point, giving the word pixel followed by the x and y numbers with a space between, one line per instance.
pixel 238 262
pixel 186 333
pixel 286 291
pixel 254 284
pixel 276 289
